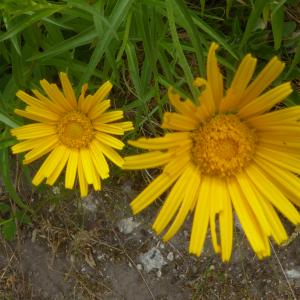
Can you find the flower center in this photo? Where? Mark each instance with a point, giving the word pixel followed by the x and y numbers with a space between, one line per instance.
pixel 75 130
pixel 223 146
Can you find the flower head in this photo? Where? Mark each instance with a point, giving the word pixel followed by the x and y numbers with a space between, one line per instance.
pixel 76 134
pixel 230 152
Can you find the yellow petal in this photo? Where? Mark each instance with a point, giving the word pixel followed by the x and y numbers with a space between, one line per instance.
pixel 111 154
pixel 279 158
pixel 288 183
pixel 186 107
pixel 82 180
pixel 226 226
pixel 110 128
pixel 27 145
pixel 44 113
pixel 253 200
pixel 266 101
pixel 51 93
pixel 270 72
pixel 89 104
pixel 64 156
pixel 109 117
pixel 152 159
pixel 240 81
pixel 56 108
pixel 217 193
pixel 214 76
pixel 70 97
pixel 172 202
pixel 158 186
pixel 272 193
pixel 49 165
pixel 126 126
pixel 99 109
pixel 71 169
pixel 109 140
pixel 87 165
pixel 278 232
pixel 168 141
pixel 179 122
pixel 99 160
pixel 90 173
pixel 33 131
pixel 246 217
pixel 34 117
pixel 29 100
pixel 207 103
pixel 191 192
pixel 201 217
pixel 82 96
pixel 48 144
pixel 279 117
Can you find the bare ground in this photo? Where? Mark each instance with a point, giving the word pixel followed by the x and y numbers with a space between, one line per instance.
pixel 93 249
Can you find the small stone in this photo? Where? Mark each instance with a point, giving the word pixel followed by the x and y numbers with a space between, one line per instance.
pixel 293 273
pixel 56 190
pixel 152 259
pixel 90 203
pixel 158 274
pixel 127 225
pixel 211 268
pixel 170 256
pixel 139 267
pixel 161 246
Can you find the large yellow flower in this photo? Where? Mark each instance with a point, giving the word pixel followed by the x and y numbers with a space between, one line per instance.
pixel 229 152
pixel 76 133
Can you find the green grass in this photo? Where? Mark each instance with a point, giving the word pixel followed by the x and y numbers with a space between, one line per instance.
pixel 142 46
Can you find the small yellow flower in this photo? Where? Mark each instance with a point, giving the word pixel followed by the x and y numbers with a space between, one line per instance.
pixel 76 133
pixel 229 152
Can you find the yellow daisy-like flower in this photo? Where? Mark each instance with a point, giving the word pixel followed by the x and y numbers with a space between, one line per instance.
pixel 229 152
pixel 76 133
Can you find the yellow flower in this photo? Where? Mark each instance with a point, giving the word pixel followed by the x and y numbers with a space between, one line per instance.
pixel 76 133
pixel 229 152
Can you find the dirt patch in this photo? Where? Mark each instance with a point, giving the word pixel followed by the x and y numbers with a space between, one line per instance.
pixel 94 249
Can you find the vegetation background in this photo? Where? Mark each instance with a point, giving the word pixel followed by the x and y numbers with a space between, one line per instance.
pixel 142 47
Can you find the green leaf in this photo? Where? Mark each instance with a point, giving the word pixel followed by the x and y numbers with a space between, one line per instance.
pixel 295 61
pixel 8 121
pixel 214 35
pixel 82 38
pixel 26 20
pixel 4 208
pixel 179 51
pixel 118 14
pixel 252 20
pixel 22 217
pixel 9 229
pixel 277 18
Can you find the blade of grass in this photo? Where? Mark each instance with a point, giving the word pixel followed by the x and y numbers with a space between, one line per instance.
pixel 5 174
pixel 8 121
pixel 118 14
pixel 26 20
pixel 82 38
pixel 195 36
pixel 179 51
pixel 277 19
pixel 252 20
pixel 295 61
pixel 214 35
